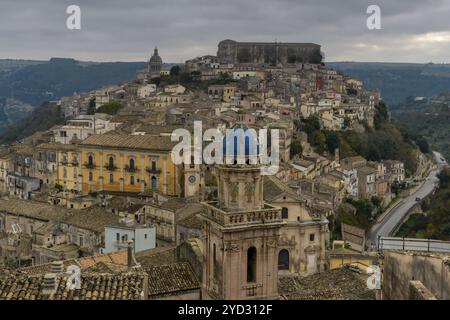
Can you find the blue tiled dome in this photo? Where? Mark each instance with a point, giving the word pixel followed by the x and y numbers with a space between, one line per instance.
pixel 251 146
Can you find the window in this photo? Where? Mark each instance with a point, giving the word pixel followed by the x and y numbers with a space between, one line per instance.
pixel 64 172
pixel 81 241
pixel 311 237
pixel 154 182
pixel 131 164
pixel 111 178
pixel 117 237
pixel 283 260
pixel 251 264
pixel 90 160
pixel 214 253
pixel 132 180
pixel 284 213
pixel 145 236
pixel 153 165
pixel 111 163
pixel 90 176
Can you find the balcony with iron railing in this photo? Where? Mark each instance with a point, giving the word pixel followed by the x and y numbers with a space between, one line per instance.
pixel 90 166
pixel 251 289
pixel 153 170
pixel 110 168
pixel 130 169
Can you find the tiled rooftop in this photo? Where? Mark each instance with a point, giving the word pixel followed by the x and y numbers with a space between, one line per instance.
pixel 171 278
pixel 140 142
pixel 336 284
pixel 121 286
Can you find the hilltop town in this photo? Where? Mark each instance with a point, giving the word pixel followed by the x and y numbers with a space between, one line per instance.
pixel 102 192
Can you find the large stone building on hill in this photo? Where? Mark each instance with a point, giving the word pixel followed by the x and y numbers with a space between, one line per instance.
pixel 269 53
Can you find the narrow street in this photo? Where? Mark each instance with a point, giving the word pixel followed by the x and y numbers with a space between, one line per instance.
pixel 390 222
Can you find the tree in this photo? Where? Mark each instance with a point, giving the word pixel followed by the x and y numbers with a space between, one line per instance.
pixel 332 141
pixel 311 124
pixel 318 141
pixel 175 71
pixel 381 115
pixel 296 148
pixel 110 108
pixel 91 106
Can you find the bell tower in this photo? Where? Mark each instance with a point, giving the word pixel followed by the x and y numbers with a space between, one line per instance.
pixel 240 237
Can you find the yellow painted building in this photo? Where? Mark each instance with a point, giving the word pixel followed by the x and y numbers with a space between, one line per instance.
pixel 69 169
pixel 128 163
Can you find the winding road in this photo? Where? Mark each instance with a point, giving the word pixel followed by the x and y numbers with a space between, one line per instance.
pixel 396 214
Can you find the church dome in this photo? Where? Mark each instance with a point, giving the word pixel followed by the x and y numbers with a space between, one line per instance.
pixel 155 59
pixel 250 142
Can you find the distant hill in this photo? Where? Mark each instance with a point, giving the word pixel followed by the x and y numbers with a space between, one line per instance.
pixel 398 81
pixel 428 117
pixel 25 84
pixel 40 119
pixel 37 82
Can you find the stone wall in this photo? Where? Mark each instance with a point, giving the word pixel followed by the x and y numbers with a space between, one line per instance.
pixel 271 53
pixel 432 270
pixel 417 291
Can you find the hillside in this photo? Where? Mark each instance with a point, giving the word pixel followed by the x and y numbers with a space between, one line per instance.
pixel 27 83
pixel 386 141
pixel 41 118
pixel 435 223
pixel 397 81
pixel 429 118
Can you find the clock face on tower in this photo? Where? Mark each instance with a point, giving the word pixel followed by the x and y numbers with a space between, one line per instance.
pixel 191 179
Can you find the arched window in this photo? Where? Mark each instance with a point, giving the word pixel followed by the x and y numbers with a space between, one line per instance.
pixel 283 260
pixel 90 160
pixel 284 213
pixel 111 163
pixel 154 182
pixel 90 176
pixel 131 164
pixel 132 180
pixel 251 264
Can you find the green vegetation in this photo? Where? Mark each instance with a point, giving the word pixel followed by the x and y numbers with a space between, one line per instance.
pixel 110 108
pixel 386 141
pixel 366 213
pixel 41 119
pixel 435 222
pixel 296 148
pixel 428 119
pixel 91 106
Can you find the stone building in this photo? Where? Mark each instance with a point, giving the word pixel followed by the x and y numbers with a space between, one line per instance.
pixel 128 163
pixel 270 53
pixel 240 242
pixel 154 65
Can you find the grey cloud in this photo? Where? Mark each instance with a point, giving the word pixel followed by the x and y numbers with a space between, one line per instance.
pixel 128 30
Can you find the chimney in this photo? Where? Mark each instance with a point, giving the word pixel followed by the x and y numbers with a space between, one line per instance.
pixel 130 257
pixel 57 267
pixel 49 284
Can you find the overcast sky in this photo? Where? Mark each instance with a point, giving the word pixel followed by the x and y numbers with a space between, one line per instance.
pixel 128 30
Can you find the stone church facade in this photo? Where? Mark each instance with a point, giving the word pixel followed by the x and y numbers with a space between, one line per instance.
pixel 248 242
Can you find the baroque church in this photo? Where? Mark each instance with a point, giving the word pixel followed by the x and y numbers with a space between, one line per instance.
pixel 257 229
